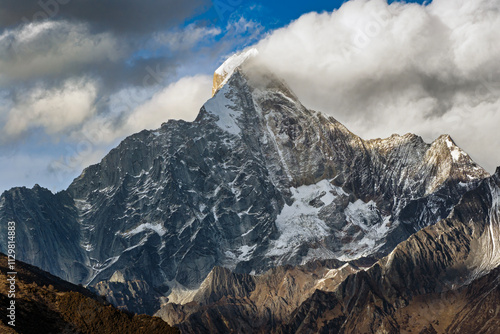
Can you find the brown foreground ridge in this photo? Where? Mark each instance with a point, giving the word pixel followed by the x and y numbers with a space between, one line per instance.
pixel 47 304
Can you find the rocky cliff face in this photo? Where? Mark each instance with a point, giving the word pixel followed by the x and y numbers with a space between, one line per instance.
pixel 48 233
pixel 256 181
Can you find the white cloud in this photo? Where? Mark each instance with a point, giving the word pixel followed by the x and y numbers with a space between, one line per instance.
pixel 383 69
pixel 133 111
pixel 180 100
pixel 185 39
pixel 53 109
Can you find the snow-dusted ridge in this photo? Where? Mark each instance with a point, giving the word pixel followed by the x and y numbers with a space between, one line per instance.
pixel 225 111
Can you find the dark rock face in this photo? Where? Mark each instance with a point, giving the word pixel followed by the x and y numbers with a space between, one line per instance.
pixel 47 231
pixel 136 295
pixel 256 181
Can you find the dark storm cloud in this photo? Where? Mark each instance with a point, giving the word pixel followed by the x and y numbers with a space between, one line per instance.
pixel 119 16
pixel 143 72
pixel 54 51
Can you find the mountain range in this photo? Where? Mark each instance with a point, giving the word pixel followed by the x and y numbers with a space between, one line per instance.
pixel 262 215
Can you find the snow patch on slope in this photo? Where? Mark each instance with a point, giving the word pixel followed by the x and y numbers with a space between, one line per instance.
pixel 158 228
pixel 86 228
pixel 495 224
pixel 225 111
pixel 363 215
pixel 485 255
pixel 359 211
pixel 299 222
pixel 243 253
pixel 456 152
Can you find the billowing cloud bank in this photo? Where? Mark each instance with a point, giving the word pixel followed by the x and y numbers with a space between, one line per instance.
pixel 383 69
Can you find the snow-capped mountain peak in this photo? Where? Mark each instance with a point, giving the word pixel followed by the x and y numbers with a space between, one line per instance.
pixel 257 180
pixel 224 72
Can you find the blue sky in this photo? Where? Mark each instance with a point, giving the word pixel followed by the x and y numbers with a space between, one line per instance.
pixel 266 15
pixel 272 14
pixel 269 14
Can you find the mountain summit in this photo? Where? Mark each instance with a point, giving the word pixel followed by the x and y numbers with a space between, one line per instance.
pixel 256 181
pixel 226 70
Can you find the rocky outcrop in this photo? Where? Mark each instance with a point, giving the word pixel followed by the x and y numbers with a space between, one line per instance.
pixel 130 295
pixel 226 301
